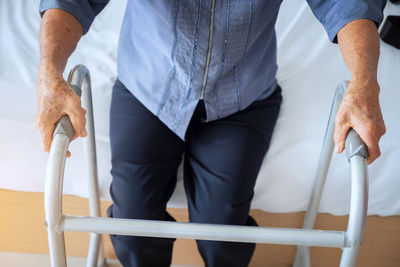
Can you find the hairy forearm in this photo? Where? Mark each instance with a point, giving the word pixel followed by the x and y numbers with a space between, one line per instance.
pixel 359 43
pixel 59 35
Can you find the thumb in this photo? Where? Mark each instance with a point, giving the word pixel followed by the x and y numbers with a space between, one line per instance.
pixel 339 136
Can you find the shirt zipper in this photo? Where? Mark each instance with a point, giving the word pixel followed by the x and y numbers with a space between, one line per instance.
pixel 209 48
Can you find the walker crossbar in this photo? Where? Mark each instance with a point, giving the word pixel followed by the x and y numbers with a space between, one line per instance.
pixel 57 223
pixel 201 231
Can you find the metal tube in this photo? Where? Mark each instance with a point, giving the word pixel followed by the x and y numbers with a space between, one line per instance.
pixel 53 199
pixel 93 251
pixel 357 153
pixel 233 233
pixel 91 163
pixel 358 210
pixel 302 258
pixel 101 262
pixel 322 167
pixel 78 78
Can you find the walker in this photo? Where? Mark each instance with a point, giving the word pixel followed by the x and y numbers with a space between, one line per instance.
pixel 58 223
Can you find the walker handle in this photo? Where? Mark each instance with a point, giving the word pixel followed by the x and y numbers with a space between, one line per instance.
pixel 354 145
pixel 75 80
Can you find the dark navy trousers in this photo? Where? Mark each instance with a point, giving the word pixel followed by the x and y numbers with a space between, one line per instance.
pixel 222 159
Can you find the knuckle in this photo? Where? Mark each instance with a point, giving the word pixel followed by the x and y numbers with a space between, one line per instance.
pixel 341 123
pixel 338 119
pixel 80 121
pixel 375 153
pixel 76 99
pixel 40 124
pixel 373 127
pixel 76 126
pixel 369 125
pixel 383 129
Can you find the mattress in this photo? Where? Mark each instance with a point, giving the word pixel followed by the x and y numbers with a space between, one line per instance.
pixel 309 69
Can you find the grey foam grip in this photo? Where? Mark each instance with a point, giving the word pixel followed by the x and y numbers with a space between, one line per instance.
pixel 76 89
pixel 64 126
pixel 354 145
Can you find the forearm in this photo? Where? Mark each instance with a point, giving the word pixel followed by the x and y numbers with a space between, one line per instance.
pixel 360 109
pixel 359 44
pixel 59 35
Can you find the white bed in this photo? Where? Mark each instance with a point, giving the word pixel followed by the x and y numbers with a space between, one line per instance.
pixel 309 70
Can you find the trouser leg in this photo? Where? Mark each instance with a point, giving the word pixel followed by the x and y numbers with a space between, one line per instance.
pixel 145 158
pixel 222 162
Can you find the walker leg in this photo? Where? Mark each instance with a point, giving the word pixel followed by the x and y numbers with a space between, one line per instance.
pixel 57 248
pixel 356 153
pixel 302 258
pixel 349 257
pixel 95 258
pixel 93 252
pixel 53 199
pixel 358 211
pixel 102 262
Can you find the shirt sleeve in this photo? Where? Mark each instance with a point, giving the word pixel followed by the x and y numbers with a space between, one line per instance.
pixel 83 10
pixel 334 14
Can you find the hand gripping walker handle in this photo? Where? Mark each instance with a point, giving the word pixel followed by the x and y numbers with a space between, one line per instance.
pixel 75 80
pixel 353 144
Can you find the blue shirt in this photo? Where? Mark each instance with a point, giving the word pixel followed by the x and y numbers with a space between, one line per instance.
pixel 173 53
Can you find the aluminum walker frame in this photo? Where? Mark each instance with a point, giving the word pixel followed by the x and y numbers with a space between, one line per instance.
pixel 58 223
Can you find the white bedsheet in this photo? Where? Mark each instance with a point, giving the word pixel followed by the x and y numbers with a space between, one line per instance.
pixel 309 70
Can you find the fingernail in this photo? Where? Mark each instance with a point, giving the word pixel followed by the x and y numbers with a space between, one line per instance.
pixel 336 148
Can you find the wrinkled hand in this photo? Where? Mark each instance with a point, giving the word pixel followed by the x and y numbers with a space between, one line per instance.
pixel 55 99
pixel 361 111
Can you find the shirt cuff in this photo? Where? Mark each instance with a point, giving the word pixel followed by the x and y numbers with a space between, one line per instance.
pixel 81 10
pixel 342 14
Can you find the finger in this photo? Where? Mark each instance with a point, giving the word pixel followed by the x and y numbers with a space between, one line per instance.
pixel 371 142
pixel 381 131
pixel 78 121
pixel 68 154
pixel 46 136
pixel 373 149
pixel 339 136
pixel 374 152
pixel 36 123
pixel 75 113
pixel 83 132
